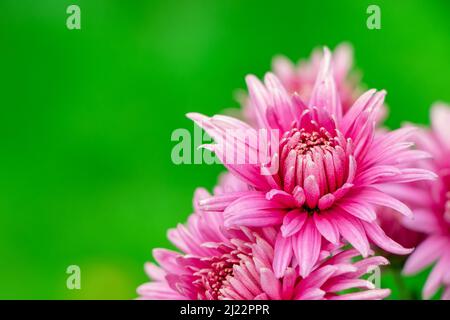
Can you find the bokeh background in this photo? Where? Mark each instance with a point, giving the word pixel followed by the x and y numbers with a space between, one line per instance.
pixel 86 117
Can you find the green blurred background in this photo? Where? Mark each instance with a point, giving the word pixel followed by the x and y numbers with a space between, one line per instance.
pixel 86 117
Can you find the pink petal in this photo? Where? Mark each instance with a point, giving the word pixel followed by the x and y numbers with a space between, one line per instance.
pixel 259 98
pixel 253 210
pixel 410 175
pixel 327 227
pixel 240 287
pixel 326 201
pixel 446 294
pixel 293 221
pixel 244 276
pixel 342 61
pixel 270 284
pixel 299 196
pixel 425 254
pixel 366 265
pixel 167 260
pixel 283 255
pixel 159 291
pixel 281 101
pixel 377 197
pixel 360 211
pixel 307 247
pixel 324 94
pixel 154 272
pixel 436 276
pixel 310 294
pixel 262 296
pixel 220 202
pixel 352 230
pixel 312 191
pixel 342 191
pixel 440 118
pixel 283 68
pixel 377 235
pixel 346 284
pixel 282 197
pixel 424 221
pixel 376 294
pixel 318 277
pixel 289 279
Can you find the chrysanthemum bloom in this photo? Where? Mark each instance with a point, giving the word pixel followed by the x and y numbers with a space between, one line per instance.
pixel 300 78
pixel 217 263
pixel 332 169
pixel 431 205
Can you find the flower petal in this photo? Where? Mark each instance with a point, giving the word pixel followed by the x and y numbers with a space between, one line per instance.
pixel 270 284
pixel 327 227
pixel 425 254
pixel 307 247
pixel 283 255
pixel 377 235
pixel 254 210
pixel 293 221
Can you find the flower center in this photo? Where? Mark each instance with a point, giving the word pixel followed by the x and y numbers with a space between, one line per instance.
pixel 303 142
pixel 214 277
pixel 315 163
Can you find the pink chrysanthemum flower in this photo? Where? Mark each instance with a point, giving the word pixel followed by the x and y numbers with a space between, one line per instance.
pixel 332 168
pixel 218 263
pixel 431 205
pixel 300 78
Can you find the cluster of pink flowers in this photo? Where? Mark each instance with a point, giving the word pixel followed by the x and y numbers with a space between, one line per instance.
pixel 343 188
